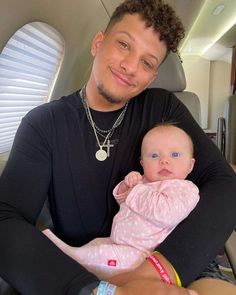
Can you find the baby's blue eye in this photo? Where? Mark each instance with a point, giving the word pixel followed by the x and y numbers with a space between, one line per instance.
pixel 175 155
pixel 154 155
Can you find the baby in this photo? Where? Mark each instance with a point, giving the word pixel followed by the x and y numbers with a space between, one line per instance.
pixel 151 206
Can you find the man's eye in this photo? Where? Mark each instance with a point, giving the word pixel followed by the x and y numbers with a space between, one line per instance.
pixel 175 154
pixel 154 155
pixel 123 44
pixel 148 64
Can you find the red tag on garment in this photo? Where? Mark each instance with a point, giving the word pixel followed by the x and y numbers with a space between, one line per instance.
pixel 111 262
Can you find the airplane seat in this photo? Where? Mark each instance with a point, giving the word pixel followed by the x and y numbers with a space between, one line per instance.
pixel 171 77
pixel 230 130
pixel 226 133
pixel 226 140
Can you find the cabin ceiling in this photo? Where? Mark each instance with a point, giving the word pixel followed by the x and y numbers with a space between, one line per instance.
pixel 207 35
pixel 204 34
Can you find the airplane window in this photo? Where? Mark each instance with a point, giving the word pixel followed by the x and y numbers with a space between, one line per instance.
pixel 29 65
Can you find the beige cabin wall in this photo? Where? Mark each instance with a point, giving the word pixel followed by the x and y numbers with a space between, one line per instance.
pixel 219 91
pixel 197 71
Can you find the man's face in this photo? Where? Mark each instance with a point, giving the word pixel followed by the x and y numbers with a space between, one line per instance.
pixel 126 59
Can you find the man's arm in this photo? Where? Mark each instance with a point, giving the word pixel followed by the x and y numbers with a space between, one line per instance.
pixel 29 261
pixel 146 280
pixel 199 238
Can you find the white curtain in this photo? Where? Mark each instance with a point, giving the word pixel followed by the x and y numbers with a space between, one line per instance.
pixel 29 65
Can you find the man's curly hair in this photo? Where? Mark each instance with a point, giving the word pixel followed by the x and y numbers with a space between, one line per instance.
pixel 156 14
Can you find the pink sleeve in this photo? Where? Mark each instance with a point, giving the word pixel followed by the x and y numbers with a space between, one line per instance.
pixel 164 203
pixel 120 198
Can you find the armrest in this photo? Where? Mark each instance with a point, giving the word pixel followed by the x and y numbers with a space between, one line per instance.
pixel 230 250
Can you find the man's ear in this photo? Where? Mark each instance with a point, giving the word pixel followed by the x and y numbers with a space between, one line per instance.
pixel 96 42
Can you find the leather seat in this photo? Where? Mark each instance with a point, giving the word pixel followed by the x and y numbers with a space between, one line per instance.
pixel 176 83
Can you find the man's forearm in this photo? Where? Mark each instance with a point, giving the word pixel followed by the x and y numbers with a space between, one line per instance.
pixel 146 271
pixel 147 280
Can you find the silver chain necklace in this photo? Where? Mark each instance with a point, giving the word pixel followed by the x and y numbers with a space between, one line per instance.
pixel 101 154
pixel 101 132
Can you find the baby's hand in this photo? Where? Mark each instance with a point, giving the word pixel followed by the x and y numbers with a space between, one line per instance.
pixel 132 179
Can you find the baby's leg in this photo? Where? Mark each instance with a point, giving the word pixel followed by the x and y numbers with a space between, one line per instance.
pixel 91 253
pixel 59 243
pixel 101 256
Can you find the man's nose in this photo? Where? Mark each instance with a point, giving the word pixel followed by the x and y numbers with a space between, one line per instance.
pixel 129 64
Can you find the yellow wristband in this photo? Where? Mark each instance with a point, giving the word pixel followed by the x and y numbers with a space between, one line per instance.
pixel 177 278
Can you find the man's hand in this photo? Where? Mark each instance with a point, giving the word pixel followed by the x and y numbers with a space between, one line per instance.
pixel 145 280
pixel 151 286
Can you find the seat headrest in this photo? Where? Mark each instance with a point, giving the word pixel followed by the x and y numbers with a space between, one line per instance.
pixel 170 74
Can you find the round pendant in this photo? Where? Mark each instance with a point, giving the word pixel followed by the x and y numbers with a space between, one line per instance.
pixel 101 155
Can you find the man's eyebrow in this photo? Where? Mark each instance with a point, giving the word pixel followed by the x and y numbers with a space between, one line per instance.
pixel 127 33
pixel 133 39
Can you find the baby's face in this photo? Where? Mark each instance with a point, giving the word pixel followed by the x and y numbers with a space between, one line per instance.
pixel 167 153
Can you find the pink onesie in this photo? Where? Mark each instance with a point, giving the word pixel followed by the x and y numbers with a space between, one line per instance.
pixel 147 215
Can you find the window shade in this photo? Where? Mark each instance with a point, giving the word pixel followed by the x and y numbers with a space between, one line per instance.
pixel 29 64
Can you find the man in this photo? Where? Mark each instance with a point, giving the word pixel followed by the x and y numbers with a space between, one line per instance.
pixel 77 148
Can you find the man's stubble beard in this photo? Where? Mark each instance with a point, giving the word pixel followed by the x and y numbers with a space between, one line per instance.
pixel 108 96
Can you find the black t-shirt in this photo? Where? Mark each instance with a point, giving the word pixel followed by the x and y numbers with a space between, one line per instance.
pixel 54 155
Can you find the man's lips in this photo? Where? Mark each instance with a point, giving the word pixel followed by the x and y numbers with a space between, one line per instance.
pixel 121 78
pixel 164 172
